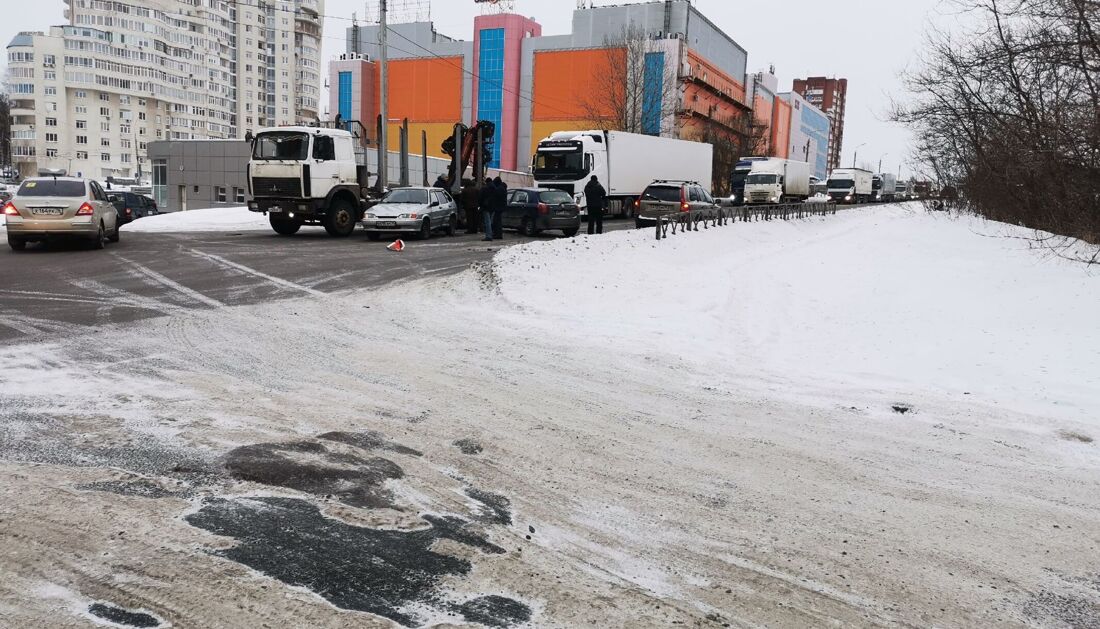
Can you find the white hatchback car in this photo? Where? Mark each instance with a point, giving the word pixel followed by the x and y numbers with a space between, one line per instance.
pixel 418 211
pixel 47 208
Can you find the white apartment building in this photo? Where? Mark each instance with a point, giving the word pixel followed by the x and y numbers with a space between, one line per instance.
pixel 89 95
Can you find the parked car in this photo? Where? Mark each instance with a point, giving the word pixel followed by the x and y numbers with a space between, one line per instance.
pixel 419 211
pixel 132 206
pixel 663 197
pixel 60 207
pixel 532 210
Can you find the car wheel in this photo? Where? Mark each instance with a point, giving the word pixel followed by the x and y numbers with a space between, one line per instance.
pixel 452 225
pixel 569 233
pixel 117 234
pixel 100 241
pixel 425 230
pixel 340 220
pixel 16 244
pixel 527 227
pixel 374 236
pixel 284 226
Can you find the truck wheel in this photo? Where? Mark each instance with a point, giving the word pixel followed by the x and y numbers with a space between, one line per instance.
pixel 284 226
pixel 340 219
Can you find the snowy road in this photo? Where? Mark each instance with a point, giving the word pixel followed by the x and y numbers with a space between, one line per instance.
pixel 882 418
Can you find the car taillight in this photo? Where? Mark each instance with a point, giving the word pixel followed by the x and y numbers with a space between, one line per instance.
pixel 684 207
pixel 86 209
pixel 543 208
pixel 9 209
pixel 128 211
pixel 637 203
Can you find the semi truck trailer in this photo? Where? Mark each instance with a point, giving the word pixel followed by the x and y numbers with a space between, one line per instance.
pixel 625 164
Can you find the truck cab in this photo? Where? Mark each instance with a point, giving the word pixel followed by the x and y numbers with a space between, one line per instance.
pixel 566 160
pixel 307 176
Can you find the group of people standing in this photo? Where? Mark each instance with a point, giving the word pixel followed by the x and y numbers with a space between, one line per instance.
pixel 492 199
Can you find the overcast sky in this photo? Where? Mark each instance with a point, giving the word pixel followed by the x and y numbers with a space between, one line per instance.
pixel 867 43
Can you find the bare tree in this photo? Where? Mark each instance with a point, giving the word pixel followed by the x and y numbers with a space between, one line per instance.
pixel 1009 115
pixel 621 97
pixel 5 130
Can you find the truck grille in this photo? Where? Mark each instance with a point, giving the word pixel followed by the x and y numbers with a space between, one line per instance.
pixel 759 197
pixel 276 187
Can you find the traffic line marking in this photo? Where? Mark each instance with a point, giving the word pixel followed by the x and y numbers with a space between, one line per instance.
pixel 172 284
pixel 278 281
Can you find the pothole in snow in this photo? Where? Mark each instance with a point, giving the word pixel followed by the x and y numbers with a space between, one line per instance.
pixel 123 617
pixel 1070 435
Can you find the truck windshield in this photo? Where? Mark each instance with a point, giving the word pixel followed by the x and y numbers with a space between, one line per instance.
pixel 406 195
pixel 876 184
pixel 560 163
pixel 757 180
pixel 282 145
pixel 841 184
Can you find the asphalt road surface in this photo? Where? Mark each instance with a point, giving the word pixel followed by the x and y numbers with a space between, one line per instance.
pixel 62 288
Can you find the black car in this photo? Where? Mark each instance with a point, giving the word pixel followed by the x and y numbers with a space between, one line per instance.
pixel 532 210
pixel 132 206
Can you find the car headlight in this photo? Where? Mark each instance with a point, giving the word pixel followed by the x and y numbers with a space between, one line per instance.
pixel 410 215
pixel 371 216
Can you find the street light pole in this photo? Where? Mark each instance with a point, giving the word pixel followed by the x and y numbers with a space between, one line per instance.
pixel 884 155
pixel 855 154
pixel 383 97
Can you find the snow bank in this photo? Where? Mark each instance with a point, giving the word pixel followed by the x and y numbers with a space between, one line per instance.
pixel 209 220
pixel 891 299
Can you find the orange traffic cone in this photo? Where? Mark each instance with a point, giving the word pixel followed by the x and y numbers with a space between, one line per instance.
pixel 397 245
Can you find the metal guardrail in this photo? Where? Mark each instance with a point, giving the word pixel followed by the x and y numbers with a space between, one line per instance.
pixel 671 224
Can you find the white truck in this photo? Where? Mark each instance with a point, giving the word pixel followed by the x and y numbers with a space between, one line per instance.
pixel 625 164
pixel 308 176
pixel 851 185
pixel 883 185
pixel 776 180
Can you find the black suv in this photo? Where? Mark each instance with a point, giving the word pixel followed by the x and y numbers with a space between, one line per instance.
pixel 132 206
pixel 664 197
pixel 532 210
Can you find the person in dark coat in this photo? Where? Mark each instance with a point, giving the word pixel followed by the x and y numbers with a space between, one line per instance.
pixel 486 200
pixel 441 182
pixel 471 203
pixel 596 198
pixel 500 203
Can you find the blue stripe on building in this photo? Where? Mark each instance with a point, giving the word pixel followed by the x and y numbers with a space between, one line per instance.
pixel 652 90
pixel 345 95
pixel 490 86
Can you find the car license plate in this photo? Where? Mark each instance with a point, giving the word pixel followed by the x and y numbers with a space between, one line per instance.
pixel 274 209
pixel 387 224
pixel 48 211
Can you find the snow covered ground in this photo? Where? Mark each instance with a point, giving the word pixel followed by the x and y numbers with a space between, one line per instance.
pixel 208 220
pixel 882 418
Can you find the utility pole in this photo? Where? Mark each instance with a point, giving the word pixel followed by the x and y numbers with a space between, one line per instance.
pixel 383 136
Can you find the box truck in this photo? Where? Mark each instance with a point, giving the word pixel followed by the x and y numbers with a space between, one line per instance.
pixel 776 180
pixel 737 179
pixel 851 185
pixel 883 185
pixel 624 162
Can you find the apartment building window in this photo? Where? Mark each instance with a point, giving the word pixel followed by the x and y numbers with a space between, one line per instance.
pixel 51 137
pixel 105 127
pixel 221 194
pixel 141 102
pixel 141 115
pixel 105 142
pixel 104 157
pixel 124 100
pixel 50 91
pixel 81 109
pixel 51 75
pixel 105 97
pixel 82 154
pixel 49 61
pixel 81 139
pixel 81 124
pixel 238 195
pixel 80 94
pixel 126 158
pixel 51 106
pixel 105 112
pixel 51 122
pixel 51 152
